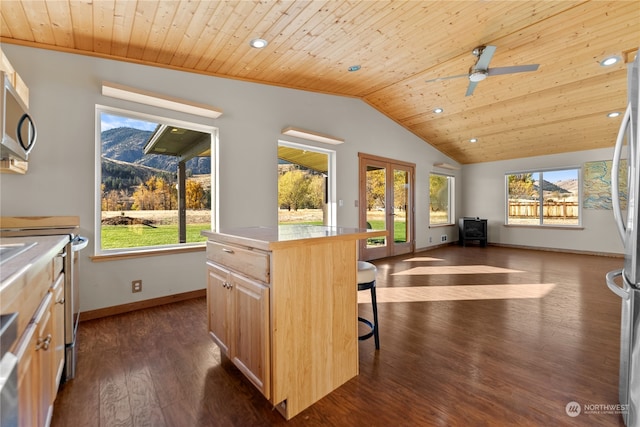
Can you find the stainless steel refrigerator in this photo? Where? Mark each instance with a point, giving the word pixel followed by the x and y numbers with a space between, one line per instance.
pixel 626 282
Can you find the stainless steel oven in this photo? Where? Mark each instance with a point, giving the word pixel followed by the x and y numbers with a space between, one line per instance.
pixel 48 226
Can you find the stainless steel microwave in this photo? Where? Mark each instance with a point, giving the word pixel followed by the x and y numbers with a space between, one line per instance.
pixel 17 127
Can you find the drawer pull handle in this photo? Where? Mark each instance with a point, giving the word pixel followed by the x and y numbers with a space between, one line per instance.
pixel 227 285
pixel 43 343
pixel 229 251
pixel 60 301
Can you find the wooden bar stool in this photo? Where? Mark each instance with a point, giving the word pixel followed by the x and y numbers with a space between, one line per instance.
pixel 367 280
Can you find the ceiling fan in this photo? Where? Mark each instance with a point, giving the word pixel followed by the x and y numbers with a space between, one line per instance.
pixel 481 70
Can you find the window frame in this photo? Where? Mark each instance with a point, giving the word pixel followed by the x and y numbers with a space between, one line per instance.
pixel 331 214
pixel 451 193
pixel 167 120
pixel 541 173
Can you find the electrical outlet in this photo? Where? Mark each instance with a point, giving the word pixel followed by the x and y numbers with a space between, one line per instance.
pixel 136 286
pixel 443 238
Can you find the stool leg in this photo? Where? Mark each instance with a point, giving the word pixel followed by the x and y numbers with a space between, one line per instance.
pixel 374 303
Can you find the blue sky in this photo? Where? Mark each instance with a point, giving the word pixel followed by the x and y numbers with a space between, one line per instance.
pixel 109 121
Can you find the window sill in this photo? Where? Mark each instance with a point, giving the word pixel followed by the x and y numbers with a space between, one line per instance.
pixel 539 227
pixel 440 225
pixel 147 253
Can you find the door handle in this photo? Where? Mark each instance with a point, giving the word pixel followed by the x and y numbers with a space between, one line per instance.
pixel 622 293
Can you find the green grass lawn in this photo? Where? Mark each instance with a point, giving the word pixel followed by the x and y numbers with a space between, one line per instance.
pixel 134 236
pixel 399 230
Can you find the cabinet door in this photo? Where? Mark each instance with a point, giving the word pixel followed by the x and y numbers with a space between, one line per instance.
pixel 45 360
pixel 219 306
pixel 251 331
pixel 34 369
pixel 57 342
pixel 28 377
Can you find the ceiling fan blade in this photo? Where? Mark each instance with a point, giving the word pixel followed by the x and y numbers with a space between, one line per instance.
pixel 447 78
pixel 511 70
pixel 471 88
pixel 485 58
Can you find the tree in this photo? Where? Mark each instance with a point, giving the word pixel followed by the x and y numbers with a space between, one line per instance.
pixel 400 185
pixel 375 188
pixel 438 193
pixel 316 191
pixel 521 186
pixel 155 194
pixel 195 195
pixel 293 188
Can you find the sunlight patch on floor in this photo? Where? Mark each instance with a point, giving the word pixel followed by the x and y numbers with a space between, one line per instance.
pixel 456 293
pixel 455 269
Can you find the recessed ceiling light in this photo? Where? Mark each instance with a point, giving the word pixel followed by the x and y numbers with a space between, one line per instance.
pixel 610 61
pixel 438 110
pixel 613 114
pixel 353 68
pixel 258 43
pixel 473 140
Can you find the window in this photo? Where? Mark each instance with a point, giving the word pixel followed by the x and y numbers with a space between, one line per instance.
pixel 154 182
pixel 550 197
pixel 305 184
pixel 441 199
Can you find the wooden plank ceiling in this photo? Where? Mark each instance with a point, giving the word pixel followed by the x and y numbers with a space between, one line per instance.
pixel 399 45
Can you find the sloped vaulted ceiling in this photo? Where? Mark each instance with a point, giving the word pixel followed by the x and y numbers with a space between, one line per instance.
pixel 399 46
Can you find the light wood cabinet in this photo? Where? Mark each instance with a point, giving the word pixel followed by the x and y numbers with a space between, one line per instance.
pixel 238 310
pixel 58 341
pixel 14 78
pixel 35 396
pixel 37 295
pixel 285 301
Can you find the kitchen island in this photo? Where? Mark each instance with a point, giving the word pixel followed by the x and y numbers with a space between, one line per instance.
pixel 282 305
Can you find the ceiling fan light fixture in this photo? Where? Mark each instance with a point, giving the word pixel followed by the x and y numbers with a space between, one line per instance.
pixel 477 75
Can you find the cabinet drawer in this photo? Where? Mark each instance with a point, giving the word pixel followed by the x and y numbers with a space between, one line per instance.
pixel 252 263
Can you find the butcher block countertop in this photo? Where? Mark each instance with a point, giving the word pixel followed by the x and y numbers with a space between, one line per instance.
pixel 269 238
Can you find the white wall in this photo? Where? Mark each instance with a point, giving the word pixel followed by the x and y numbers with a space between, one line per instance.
pixel 483 192
pixel 64 91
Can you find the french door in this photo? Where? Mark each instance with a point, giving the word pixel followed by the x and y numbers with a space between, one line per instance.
pixel 386 203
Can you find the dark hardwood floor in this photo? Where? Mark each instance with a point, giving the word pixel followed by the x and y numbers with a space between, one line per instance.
pixel 459 347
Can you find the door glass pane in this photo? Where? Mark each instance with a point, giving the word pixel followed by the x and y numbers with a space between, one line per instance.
pixel 400 205
pixel 376 191
pixel 524 198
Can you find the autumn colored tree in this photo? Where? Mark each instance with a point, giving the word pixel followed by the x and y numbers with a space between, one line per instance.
pixel 521 186
pixel 195 195
pixel 155 194
pixel 438 189
pixel 293 189
pixel 375 188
